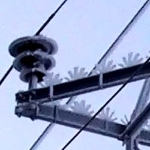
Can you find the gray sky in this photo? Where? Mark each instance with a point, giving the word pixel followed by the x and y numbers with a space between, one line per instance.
pixel 83 30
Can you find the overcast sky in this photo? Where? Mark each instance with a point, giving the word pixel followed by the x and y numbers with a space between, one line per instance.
pixel 84 29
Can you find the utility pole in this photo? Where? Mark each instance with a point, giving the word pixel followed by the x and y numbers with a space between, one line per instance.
pixel 34 58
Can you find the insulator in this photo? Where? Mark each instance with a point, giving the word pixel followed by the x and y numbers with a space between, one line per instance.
pixel 32 43
pixel 33 57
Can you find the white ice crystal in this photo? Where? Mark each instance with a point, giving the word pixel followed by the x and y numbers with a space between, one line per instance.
pixel 131 60
pixel 76 74
pixel 125 120
pixel 40 52
pixel 44 55
pixel 104 67
pixel 82 108
pixel 54 103
pixel 107 115
pixel 147 57
pixel 49 40
pixel 147 125
pixel 52 79
pixel 69 102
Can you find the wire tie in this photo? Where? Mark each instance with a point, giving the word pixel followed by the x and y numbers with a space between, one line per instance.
pixel 101 80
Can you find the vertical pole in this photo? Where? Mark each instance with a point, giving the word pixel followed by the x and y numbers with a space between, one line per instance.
pixel 141 103
pixel 33 80
pixel 130 144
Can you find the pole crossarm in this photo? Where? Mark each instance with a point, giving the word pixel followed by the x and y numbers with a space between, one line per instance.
pixel 75 120
pixel 85 85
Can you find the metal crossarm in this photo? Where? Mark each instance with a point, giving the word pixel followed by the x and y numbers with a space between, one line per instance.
pixel 85 85
pixel 97 126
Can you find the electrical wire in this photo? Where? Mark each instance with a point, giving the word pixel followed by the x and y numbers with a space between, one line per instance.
pixel 45 132
pixel 50 18
pixel 37 33
pixel 6 75
pixel 107 102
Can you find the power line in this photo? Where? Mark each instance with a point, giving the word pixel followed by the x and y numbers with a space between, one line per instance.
pixel 38 141
pixel 107 102
pixel 37 33
pixel 6 74
pixel 45 132
pixel 50 18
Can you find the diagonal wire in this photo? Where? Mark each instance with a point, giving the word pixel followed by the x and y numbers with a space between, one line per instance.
pixel 45 132
pixel 50 18
pixel 6 75
pixel 120 37
pixel 105 104
pixel 37 33
pixel 41 137
pixel 108 52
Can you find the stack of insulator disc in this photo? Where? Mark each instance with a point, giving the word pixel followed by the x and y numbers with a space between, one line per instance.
pixel 33 56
